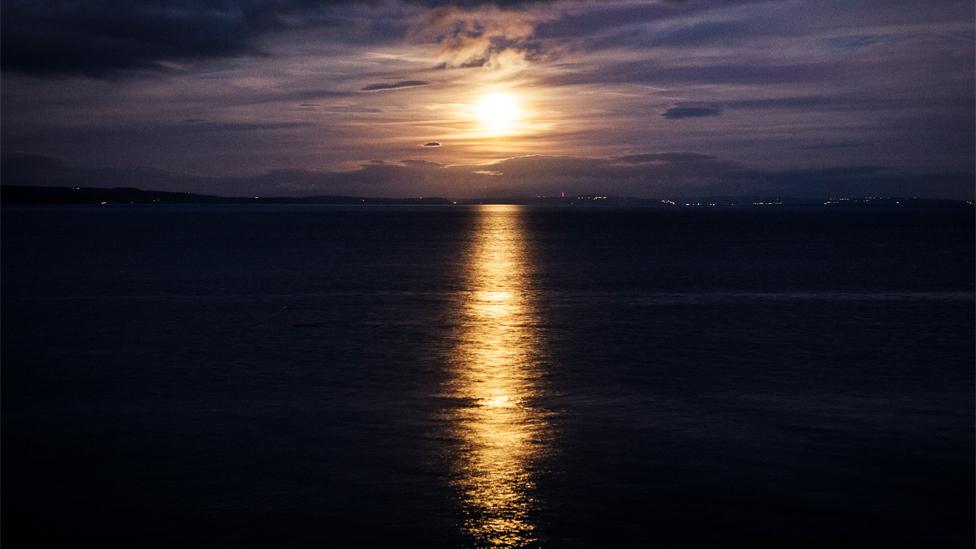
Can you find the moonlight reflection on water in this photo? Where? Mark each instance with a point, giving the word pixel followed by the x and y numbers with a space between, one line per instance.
pixel 497 377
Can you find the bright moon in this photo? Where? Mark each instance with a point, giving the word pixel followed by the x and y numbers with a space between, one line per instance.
pixel 498 111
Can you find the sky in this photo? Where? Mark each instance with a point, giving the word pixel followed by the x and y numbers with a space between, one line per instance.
pixel 479 99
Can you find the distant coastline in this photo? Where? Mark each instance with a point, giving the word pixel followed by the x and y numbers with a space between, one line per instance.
pixel 41 195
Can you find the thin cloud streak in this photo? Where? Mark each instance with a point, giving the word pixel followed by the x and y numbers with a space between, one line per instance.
pixel 382 86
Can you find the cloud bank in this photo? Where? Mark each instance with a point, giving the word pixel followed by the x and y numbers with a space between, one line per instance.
pixel 650 175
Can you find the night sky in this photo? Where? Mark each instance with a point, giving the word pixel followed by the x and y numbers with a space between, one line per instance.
pixel 468 99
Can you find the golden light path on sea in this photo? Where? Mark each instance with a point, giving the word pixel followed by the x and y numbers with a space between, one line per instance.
pixel 497 375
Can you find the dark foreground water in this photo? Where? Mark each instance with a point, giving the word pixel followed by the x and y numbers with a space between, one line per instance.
pixel 498 376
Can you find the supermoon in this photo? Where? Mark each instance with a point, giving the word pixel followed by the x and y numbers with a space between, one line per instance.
pixel 498 112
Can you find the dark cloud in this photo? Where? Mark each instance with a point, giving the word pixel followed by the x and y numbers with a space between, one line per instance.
pixel 105 38
pixel 98 38
pixel 689 110
pixel 432 144
pixel 380 86
pixel 643 175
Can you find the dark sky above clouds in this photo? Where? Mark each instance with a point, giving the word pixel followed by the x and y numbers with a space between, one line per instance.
pixel 642 98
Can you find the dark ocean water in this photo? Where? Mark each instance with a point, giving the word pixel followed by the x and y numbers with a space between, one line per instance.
pixel 500 376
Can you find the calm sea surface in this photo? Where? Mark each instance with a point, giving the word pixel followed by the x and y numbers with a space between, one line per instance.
pixel 498 376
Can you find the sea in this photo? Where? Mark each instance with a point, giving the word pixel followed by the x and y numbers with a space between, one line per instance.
pixel 487 376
